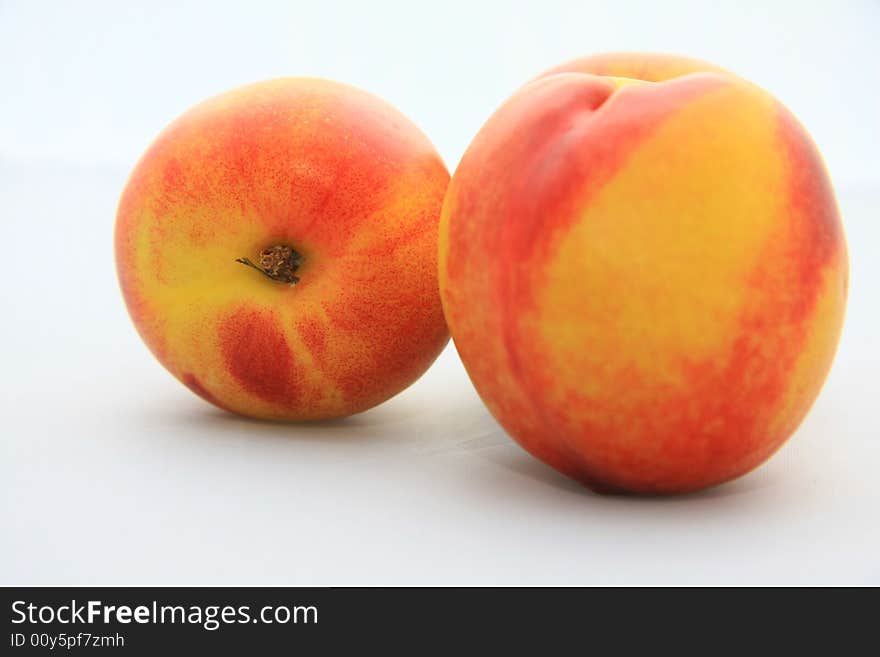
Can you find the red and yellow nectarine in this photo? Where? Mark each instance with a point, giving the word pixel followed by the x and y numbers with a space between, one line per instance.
pixel 645 278
pixel 331 198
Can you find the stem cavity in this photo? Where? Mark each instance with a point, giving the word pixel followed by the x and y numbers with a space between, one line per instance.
pixel 278 263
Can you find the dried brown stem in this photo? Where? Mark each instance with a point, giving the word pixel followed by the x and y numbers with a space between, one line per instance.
pixel 278 263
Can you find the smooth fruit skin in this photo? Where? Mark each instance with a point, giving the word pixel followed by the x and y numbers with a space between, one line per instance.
pixel 327 169
pixel 645 281
pixel 650 67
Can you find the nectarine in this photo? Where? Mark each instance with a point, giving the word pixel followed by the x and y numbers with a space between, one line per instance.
pixel 644 271
pixel 277 250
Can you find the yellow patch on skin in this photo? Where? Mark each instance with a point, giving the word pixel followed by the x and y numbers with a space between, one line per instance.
pixel 654 273
pixel 196 284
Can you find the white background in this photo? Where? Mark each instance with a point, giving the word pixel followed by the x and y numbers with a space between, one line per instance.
pixel 112 472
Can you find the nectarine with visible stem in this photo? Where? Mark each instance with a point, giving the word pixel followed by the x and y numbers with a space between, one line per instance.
pixel 277 250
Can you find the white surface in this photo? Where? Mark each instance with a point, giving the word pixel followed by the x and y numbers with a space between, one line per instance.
pixel 114 473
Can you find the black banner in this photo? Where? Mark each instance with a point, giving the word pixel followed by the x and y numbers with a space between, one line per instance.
pixel 319 620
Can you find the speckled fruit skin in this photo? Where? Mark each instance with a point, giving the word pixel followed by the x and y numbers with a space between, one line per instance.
pixel 335 173
pixel 646 281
